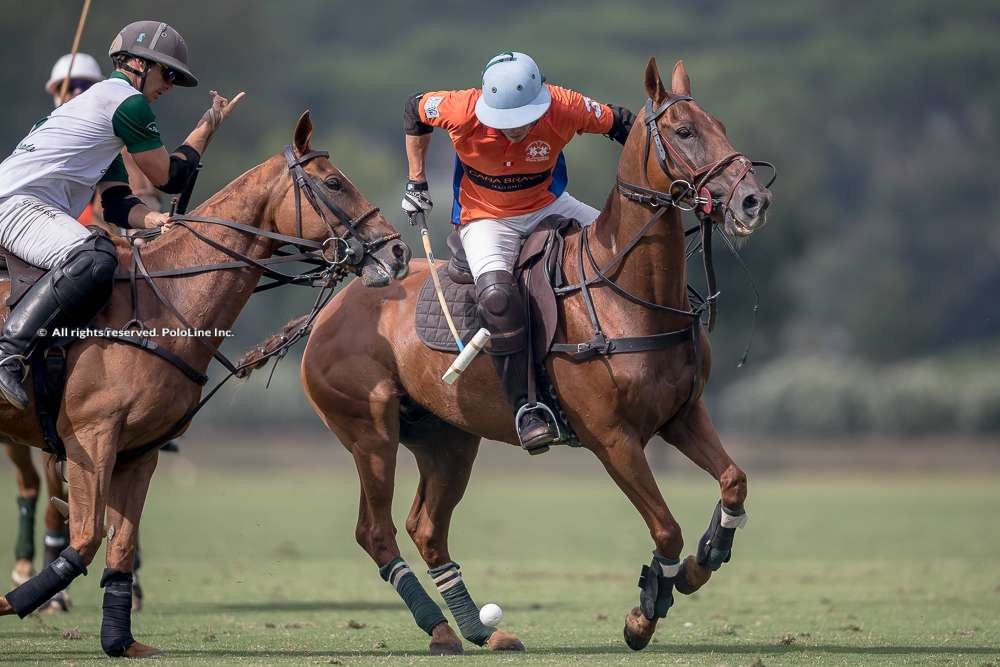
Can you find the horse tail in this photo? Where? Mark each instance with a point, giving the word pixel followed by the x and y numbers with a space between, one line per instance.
pixel 259 355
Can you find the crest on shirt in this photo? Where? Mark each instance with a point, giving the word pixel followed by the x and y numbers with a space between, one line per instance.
pixel 431 106
pixel 537 151
pixel 152 128
pixel 593 107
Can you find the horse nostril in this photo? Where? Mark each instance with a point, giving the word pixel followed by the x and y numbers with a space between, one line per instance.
pixel 399 250
pixel 750 204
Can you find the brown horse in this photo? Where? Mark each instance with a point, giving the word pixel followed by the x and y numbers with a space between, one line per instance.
pixel 364 363
pixel 120 398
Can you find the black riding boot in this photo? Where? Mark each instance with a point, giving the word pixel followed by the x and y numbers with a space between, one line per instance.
pixel 69 295
pixel 502 311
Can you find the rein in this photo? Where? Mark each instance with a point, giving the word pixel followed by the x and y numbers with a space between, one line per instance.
pixel 684 194
pixel 330 258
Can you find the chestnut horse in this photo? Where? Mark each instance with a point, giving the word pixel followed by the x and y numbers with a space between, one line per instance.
pixel 364 363
pixel 119 398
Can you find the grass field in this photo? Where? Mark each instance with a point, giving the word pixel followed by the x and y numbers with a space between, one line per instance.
pixel 257 567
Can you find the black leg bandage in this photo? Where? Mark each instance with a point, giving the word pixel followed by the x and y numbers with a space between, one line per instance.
pixel 116 624
pixel 656 586
pixel 716 546
pixel 38 590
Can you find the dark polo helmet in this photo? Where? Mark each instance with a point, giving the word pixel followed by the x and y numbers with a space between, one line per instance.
pixel 157 42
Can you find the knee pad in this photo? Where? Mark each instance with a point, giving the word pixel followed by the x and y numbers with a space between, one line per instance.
pixel 82 283
pixel 502 311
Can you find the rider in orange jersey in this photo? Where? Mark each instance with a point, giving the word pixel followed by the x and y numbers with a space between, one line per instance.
pixel 510 174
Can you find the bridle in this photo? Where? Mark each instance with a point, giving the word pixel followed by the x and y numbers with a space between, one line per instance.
pixel 691 189
pixel 690 192
pixel 332 257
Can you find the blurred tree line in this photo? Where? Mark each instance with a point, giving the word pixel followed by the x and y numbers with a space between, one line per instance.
pixel 882 119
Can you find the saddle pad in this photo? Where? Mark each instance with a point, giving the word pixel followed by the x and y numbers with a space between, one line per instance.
pixel 432 328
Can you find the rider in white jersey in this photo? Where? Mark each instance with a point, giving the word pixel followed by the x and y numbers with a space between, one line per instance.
pixel 56 169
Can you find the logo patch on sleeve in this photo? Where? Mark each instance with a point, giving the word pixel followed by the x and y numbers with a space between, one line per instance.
pixel 593 107
pixel 152 128
pixel 431 106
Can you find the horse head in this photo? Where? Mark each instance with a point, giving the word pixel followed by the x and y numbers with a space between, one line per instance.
pixel 680 151
pixel 321 204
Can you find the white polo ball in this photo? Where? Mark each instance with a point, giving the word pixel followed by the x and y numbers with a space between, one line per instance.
pixel 490 614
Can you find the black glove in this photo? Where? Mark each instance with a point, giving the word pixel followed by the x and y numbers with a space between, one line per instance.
pixel 622 125
pixel 416 197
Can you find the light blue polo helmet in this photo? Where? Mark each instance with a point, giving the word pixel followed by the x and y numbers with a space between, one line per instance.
pixel 514 92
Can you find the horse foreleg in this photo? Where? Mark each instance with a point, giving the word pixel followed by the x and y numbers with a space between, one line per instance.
pixel 625 461
pixel 445 463
pixel 27 500
pixel 90 461
pixel 129 486
pixel 694 434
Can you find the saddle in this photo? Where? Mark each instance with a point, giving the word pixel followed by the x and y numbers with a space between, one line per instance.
pixel 538 272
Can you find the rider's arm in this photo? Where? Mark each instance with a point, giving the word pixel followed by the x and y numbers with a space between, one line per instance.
pixel 135 124
pixel 418 139
pixel 119 206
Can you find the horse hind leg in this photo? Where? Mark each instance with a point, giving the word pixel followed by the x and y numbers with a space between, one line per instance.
pixel 27 499
pixel 445 456
pixel 695 436
pixel 374 451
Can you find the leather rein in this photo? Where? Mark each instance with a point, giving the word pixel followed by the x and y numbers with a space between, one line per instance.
pixel 330 258
pixel 685 194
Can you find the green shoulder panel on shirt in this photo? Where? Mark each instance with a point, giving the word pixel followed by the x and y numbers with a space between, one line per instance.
pixel 116 172
pixel 135 123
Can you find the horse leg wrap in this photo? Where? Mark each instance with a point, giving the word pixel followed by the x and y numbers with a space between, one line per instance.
pixel 55 541
pixel 656 586
pixel 24 548
pixel 448 580
pixel 38 590
pixel 716 545
pixel 116 623
pixel 425 611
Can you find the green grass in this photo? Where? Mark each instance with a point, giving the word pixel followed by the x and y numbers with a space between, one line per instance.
pixel 255 568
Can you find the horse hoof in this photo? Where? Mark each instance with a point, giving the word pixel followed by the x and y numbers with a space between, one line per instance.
pixel 58 604
pixel 444 641
pixel 140 650
pixel 638 630
pixel 691 576
pixel 504 641
pixel 23 570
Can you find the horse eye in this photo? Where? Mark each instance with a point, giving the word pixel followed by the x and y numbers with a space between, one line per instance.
pixel 684 132
pixel 332 182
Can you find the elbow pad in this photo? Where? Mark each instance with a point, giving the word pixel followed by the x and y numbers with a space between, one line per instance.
pixel 622 125
pixel 412 125
pixel 182 167
pixel 116 202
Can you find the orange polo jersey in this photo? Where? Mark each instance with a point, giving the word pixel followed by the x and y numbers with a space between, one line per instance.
pixel 495 178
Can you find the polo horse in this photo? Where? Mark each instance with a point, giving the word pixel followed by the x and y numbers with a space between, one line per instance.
pixel 628 330
pixel 120 402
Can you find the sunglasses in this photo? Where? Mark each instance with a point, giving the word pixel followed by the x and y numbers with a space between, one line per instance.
pixel 78 85
pixel 169 75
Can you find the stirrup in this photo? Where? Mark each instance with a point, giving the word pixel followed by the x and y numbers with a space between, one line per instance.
pixel 19 358
pixel 550 419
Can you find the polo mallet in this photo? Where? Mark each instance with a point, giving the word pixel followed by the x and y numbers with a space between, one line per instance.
pixel 76 45
pixel 466 353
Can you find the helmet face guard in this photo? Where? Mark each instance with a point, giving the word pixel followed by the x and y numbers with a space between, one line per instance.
pixel 514 92
pixel 156 42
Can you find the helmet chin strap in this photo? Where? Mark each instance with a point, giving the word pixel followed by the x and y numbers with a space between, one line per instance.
pixel 140 73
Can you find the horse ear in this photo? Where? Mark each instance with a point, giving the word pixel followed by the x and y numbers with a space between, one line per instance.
pixel 680 82
pixel 654 85
pixel 303 133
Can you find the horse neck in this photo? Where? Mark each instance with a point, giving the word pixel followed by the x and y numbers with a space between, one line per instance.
pixel 213 300
pixel 655 269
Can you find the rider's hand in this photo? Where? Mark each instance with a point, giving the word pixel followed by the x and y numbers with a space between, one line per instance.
pixel 416 197
pixel 153 219
pixel 220 109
